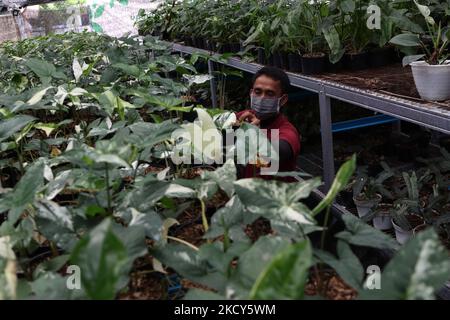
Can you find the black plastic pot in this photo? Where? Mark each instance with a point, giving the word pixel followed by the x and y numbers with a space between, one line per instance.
pixel 235 47
pixel 380 57
pixel 277 60
pixel 261 56
pixel 224 48
pixel 335 67
pixel 313 65
pixel 284 60
pixel 294 62
pixel 270 61
pixel 188 41
pixel 356 61
pixel 198 42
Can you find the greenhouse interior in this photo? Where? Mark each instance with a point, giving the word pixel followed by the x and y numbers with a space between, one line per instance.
pixel 225 150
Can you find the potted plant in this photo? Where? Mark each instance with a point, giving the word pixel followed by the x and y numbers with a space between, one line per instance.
pixel 312 40
pixel 382 219
pixel 367 191
pixel 404 221
pixel 432 73
pixel 408 212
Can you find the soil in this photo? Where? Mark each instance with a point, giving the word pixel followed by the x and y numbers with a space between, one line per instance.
pixel 336 288
pixel 314 55
pixel 393 79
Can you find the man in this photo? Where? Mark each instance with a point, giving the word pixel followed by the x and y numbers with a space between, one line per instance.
pixel 268 95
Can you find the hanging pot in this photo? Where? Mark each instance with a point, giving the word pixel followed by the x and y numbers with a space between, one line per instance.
pixel 432 81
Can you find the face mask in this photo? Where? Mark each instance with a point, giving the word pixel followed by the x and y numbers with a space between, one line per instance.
pixel 265 107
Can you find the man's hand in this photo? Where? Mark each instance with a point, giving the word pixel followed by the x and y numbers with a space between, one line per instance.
pixel 250 117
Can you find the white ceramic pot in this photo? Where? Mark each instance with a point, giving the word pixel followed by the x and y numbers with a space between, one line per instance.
pixel 401 235
pixel 382 221
pixel 432 81
pixel 365 206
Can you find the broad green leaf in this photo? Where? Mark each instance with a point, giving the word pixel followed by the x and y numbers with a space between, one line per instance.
pixel 407 60
pixel 406 40
pixel 286 275
pixel 346 265
pixel 224 177
pixel 10 126
pixel 151 222
pixel 41 68
pixel 360 233
pixel 132 70
pixel 52 211
pixel 340 182
pixel 277 200
pixel 254 261
pixel 416 272
pixel 38 96
pixel 25 191
pixel 102 258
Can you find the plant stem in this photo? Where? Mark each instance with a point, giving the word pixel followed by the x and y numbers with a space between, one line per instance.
pixel 325 227
pixel 204 219
pixel 183 242
pixel 108 193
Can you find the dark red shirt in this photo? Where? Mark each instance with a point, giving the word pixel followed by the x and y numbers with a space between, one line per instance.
pixel 288 133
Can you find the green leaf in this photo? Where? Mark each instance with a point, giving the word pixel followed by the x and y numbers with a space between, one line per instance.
pixel 25 191
pixel 340 182
pixel 41 68
pixel 348 6
pixel 347 266
pixel 10 126
pixel 224 177
pixel 101 257
pixel 360 233
pixel 38 96
pixel 254 261
pixel 151 222
pixel 286 275
pixel 132 70
pixel 277 200
pixel 52 211
pixel 406 40
pixel 407 60
pixel 416 271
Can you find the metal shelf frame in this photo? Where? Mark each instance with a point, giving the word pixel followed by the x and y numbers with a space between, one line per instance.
pixel 428 115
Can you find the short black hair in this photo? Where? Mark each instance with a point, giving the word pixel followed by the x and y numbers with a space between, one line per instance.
pixel 275 74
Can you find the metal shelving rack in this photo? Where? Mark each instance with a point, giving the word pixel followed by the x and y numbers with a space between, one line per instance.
pixel 431 115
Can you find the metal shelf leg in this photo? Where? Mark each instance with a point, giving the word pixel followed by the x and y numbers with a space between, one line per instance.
pixel 212 84
pixel 327 139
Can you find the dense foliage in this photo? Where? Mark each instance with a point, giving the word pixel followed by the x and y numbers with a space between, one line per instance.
pixel 86 125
